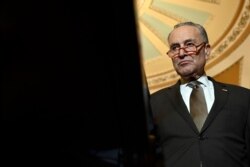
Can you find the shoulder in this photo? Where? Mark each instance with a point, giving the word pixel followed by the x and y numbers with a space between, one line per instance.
pixel 164 95
pixel 230 87
pixel 163 91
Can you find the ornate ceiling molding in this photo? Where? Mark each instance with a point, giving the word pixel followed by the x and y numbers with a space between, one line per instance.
pixel 150 12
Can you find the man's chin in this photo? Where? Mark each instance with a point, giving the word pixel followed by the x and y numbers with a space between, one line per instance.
pixel 186 73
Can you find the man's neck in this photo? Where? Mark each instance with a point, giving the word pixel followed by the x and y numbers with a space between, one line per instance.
pixel 192 78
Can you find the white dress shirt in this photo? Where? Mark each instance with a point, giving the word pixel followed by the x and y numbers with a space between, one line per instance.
pixel 208 89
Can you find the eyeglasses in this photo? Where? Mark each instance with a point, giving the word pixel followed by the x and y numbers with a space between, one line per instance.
pixel 189 47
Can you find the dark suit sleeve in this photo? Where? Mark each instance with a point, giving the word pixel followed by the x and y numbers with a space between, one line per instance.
pixel 248 133
pixel 156 147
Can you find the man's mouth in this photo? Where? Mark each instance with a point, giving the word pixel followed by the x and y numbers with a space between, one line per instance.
pixel 184 62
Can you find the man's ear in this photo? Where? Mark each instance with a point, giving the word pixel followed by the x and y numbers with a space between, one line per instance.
pixel 207 50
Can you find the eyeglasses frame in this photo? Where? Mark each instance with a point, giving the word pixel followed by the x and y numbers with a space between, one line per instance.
pixel 184 48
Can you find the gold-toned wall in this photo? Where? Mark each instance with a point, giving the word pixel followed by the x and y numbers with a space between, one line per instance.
pixel 227 24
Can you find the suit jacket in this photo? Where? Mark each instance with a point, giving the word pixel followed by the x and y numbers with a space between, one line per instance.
pixel 224 139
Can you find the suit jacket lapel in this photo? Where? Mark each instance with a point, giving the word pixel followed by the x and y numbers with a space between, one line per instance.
pixel 181 108
pixel 221 95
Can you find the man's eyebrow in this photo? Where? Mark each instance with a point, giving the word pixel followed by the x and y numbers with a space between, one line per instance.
pixel 187 40
pixel 174 44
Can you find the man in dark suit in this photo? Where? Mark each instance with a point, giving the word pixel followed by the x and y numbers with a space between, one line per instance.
pixel 224 138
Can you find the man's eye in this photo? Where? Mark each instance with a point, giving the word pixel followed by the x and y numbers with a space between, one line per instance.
pixel 175 47
pixel 190 44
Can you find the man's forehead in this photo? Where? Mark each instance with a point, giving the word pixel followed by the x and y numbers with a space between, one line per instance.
pixel 183 33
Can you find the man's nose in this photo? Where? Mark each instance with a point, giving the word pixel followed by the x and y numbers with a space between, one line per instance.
pixel 182 52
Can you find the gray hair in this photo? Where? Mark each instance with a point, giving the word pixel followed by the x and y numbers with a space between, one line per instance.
pixel 198 26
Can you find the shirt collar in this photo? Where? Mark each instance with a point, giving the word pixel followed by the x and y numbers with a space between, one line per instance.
pixel 203 79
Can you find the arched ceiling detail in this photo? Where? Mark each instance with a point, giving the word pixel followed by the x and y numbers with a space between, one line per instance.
pixel 227 24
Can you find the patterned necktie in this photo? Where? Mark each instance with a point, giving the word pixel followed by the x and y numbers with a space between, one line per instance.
pixel 198 106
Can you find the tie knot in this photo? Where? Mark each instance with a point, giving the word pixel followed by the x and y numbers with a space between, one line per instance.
pixel 194 84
